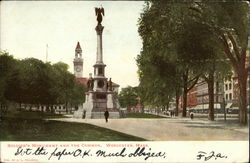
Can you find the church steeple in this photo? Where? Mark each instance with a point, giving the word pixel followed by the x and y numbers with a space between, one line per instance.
pixel 78 61
pixel 78 50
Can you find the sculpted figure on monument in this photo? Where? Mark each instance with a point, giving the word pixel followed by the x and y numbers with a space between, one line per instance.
pixel 110 84
pixel 90 84
pixel 107 86
pixel 99 12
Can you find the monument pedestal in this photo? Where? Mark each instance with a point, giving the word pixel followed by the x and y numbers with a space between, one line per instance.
pixel 94 108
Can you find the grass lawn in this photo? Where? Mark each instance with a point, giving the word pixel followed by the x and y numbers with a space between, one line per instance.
pixel 18 127
pixel 142 115
pixel 31 114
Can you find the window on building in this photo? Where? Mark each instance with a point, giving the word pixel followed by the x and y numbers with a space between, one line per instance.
pixel 216 98
pixel 230 85
pixel 230 96
pixel 217 86
pixel 226 86
pixel 226 96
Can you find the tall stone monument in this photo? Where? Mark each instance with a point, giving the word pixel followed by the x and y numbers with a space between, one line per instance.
pixel 100 96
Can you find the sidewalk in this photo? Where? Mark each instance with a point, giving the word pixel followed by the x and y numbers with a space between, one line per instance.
pixel 171 129
pixel 230 123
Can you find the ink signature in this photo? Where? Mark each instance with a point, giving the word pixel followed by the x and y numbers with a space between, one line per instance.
pixel 207 156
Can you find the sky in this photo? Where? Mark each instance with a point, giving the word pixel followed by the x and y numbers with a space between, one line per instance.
pixel 28 26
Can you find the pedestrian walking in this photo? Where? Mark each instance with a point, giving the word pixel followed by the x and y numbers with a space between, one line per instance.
pixel 106 115
pixel 192 115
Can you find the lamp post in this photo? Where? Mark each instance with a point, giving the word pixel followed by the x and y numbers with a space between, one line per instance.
pixel 224 102
pixel 202 104
pixel 248 90
pixel 224 107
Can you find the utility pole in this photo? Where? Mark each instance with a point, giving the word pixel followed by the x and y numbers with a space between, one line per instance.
pixel 224 108
pixel 47 47
pixel 223 102
pixel 248 91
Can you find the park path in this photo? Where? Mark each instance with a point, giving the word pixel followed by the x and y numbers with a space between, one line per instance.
pixel 171 129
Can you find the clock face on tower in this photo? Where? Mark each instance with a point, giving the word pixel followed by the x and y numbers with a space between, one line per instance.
pixel 78 69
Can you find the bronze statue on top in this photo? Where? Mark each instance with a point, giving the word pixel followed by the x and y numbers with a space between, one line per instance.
pixel 99 12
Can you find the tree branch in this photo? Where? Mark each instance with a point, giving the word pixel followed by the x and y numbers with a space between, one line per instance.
pixel 188 89
pixel 243 56
pixel 194 78
pixel 227 51
pixel 184 77
pixel 235 47
pixel 205 77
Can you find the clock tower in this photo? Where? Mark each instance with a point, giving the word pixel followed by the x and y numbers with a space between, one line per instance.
pixel 78 61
